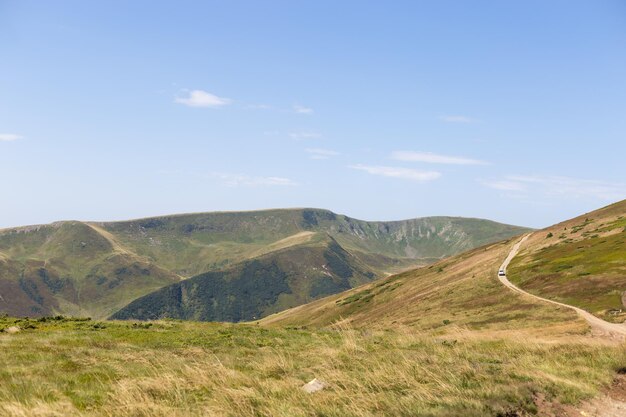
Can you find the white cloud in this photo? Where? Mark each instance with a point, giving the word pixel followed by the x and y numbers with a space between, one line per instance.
pixel 317 153
pixel 200 98
pixel 8 137
pixel 236 180
pixel 304 135
pixel 504 185
pixel 399 172
pixel 558 186
pixel 302 110
pixel 458 119
pixel 433 158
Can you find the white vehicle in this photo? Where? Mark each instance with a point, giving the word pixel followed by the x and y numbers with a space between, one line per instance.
pixel 501 273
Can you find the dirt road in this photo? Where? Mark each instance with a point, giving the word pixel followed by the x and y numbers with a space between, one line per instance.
pixel 600 326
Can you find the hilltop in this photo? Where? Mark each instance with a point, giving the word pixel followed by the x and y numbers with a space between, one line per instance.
pixel 97 268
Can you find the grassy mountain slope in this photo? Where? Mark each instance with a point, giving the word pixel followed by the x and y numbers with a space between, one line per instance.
pixel 69 267
pixel 190 244
pixel 95 269
pixel 581 262
pixel 459 292
pixel 255 288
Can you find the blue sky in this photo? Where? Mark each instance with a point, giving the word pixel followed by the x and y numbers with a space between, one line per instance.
pixel 513 111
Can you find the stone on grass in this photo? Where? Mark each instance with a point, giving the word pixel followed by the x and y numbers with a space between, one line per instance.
pixel 12 329
pixel 314 386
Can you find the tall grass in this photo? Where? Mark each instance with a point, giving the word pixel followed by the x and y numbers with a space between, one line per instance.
pixel 198 369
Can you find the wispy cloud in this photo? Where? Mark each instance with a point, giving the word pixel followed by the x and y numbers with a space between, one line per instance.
pixel 258 107
pixel 8 137
pixel 558 186
pixel 458 119
pixel 304 135
pixel 504 185
pixel 236 180
pixel 317 153
pixel 433 158
pixel 399 172
pixel 201 98
pixel 302 110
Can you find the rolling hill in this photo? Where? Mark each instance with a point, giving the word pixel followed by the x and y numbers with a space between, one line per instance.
pixel 581 262
pixel 96 269
pixel 255 288
pixel 71 268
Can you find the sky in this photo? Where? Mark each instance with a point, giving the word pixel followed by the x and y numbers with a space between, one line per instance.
pixel 380 110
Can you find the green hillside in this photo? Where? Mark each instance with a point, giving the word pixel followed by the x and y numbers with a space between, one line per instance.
pixel 581 262
pixel 458 292
pixel 255 288
pixel 95 269
pixel 191 244
pixel 71 268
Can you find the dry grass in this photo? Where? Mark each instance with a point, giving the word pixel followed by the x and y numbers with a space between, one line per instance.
pixel 461 292
pixel 581 262
pixel 198 369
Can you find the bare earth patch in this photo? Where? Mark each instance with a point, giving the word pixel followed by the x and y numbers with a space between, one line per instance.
pixel 611 404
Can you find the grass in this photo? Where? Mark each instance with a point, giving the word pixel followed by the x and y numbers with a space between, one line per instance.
pixel 467 292
pixel 588 270
pixel 170 368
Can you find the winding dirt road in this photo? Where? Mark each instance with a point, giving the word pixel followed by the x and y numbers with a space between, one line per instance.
pixel 600 326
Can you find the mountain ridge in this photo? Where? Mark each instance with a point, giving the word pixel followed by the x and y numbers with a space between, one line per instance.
pixel 99 267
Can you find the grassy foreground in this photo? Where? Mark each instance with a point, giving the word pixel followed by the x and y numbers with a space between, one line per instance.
pixel 171 368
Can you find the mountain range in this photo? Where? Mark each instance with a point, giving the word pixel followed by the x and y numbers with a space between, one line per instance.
pixel 226 266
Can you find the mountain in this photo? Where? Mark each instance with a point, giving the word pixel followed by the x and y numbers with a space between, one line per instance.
pixel 71 268
pixel 581 262
pixel 96 269
pixel 257 287
pixel 191 244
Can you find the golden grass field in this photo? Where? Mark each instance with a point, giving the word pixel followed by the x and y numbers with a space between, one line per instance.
pixel 85 368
